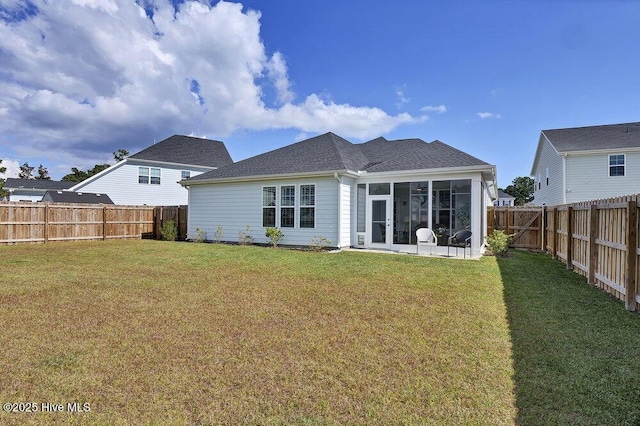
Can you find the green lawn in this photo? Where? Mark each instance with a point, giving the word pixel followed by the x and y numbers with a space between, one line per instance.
pixel 177 333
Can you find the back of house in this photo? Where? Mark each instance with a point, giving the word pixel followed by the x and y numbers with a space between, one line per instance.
pixel 151 176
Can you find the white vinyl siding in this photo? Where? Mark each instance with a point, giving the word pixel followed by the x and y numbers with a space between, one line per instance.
pixel 588 177
pixel 345 212
pixel 120 183
pixel 234 206
pixel 549 165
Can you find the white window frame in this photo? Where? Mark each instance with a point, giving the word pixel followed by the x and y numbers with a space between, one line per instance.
pixel 274 206
pixel 185 174
pixel 286 205
pixel 297 205
pixel 142 175
pixel 304 206
pixel 623 165
pixel 149 177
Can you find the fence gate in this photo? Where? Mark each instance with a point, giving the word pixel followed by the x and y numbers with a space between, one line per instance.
pixel 524 223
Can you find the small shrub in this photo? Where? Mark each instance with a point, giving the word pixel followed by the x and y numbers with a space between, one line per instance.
pixel 274 235
pixel 169 231
pixel 200 236
pixel 318 242
pixel 244 237
pixel 499 243
pixel 219 234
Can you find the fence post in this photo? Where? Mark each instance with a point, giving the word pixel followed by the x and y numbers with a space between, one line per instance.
pixel 593 259
pixel 46 223
pixel 569 237
pixel 104 223
pixel 543 229
pixel 554 234
pixel 632 225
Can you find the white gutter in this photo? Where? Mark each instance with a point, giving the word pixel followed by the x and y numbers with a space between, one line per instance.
pixel 268 177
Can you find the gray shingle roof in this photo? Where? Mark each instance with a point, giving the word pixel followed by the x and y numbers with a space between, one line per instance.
pixel 330 152
pixel 321 153
pixel 37 184
pixel 76 197
pixel 187 150
pixel 434 155
pixel 610 136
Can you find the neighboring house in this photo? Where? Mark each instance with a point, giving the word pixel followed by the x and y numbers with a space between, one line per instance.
pixel 504 199
pixel 373 195
pixel 32 189
pixel 76 197
pixel 586 163
pixel 151 176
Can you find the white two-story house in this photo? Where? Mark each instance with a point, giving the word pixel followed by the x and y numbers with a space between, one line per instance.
pixel 151 176
pixel 586 163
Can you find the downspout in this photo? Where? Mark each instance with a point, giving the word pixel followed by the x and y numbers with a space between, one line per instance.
pixel 564 178
pixel 339 179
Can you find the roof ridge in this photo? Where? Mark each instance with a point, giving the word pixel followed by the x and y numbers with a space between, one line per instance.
pixel 635 123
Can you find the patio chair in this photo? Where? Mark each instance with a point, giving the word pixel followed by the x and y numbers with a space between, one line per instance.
pixel 460 239
pixel 426 237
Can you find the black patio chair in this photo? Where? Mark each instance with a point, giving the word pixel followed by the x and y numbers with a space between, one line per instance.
pixel 460 239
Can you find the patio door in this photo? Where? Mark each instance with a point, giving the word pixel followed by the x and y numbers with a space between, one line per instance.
pixel 379 232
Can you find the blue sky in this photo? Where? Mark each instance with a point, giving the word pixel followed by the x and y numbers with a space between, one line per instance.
pixel 79 80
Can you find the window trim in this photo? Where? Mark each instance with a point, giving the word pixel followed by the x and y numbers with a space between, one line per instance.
pixel 282 207
pixel 149 176
pixel 274 206
pixel 623 165
pixel 307 206
pixel 297 205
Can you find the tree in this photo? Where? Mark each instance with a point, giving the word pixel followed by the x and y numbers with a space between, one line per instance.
pixel 522 188
pixel 3 170
pixel 26 171
pixel 120 155
pixel 43 173
pixel 78 175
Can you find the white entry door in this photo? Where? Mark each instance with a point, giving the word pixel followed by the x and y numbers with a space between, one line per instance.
pixel 379 232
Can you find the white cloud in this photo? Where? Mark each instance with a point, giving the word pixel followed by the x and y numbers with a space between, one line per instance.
pixel 13 168
pixel 85 77
pixel 440 109
pixel 402 98
pixel 486 115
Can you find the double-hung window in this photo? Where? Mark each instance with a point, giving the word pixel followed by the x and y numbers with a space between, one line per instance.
pixel 269 206
pixel 616 165
pixel 143 175
pixel 307 206
pixel 148 175
pixel 287 206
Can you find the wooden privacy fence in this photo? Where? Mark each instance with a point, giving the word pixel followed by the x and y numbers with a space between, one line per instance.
pixel 525 223
pixel 597 239
pixel 23 223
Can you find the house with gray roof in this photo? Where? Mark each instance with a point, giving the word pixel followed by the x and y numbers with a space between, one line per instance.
pixel 151 176
pixel 586 163
pixel 370 195
pixel 504 199
pixel 75 197
pixel 32 189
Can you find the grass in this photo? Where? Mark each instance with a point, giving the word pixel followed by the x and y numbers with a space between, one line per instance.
pixel 576 350
pixel 177 333
pixel 152 332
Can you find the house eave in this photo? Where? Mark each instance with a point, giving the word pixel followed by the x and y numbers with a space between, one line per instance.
pixel 600 151
pixel 253 178
pixel 166 163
